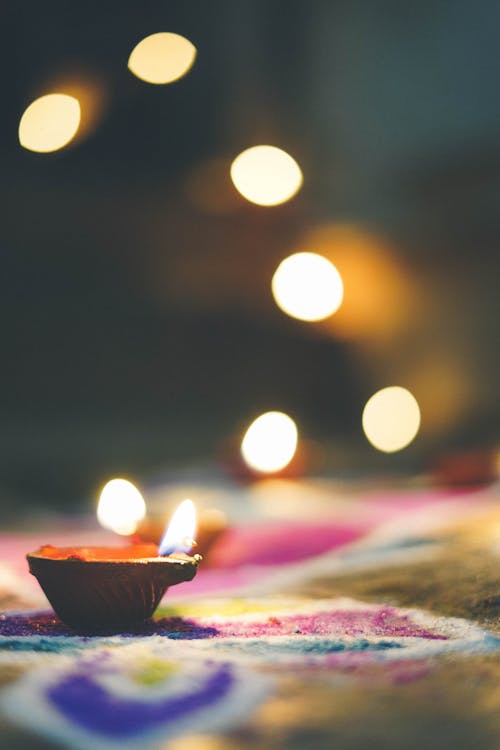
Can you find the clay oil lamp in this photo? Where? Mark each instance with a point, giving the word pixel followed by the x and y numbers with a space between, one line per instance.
pixel 113 589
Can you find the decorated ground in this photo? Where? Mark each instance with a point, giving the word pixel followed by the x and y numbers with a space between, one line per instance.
pixel 363 620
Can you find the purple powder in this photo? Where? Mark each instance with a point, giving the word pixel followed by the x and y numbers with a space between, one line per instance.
pixel 383 622
pixel 41 624
pixel 83 701
pixel 46 626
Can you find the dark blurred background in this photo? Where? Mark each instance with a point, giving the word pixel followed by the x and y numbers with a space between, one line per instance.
pixel 138 329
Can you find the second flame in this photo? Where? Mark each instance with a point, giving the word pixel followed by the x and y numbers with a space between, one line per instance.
pixel 179 535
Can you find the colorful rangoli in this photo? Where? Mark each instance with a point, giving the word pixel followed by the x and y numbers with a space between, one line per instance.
pixel 376 627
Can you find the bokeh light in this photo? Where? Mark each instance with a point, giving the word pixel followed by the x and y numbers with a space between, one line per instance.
pixel 391 419
pixel 270 442
pixel 162 58
pixel 90 88
pixel 381 297
pixel 307 286
pixel 266 175
pixel 49 123
pixel 121 507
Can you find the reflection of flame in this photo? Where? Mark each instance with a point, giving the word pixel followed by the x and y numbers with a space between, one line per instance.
pixel 181 530
pixel 121 507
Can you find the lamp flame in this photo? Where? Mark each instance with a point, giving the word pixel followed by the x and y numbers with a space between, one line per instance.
pixel 179 535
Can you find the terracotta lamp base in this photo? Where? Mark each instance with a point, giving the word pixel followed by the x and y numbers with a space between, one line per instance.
pixel 105 589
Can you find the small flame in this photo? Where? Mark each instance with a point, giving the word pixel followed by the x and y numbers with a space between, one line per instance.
pixel 181 530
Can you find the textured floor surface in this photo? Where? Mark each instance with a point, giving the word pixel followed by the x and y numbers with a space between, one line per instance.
pixel 368 620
